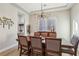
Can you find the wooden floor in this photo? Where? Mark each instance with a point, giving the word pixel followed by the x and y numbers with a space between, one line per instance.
pixel 15 52
pixel 10 52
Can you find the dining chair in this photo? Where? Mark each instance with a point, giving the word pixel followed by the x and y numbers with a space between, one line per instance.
pixel 71 49
pixel 52 34
pixel 24 47
pixel 18 34
pixel 53 46
pixel 44 34
pixel 36 44
pixel 36 34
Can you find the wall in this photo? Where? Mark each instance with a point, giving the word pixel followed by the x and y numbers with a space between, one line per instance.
pixel 74 11
pixel 24 20
pixel 74 16
pixel 8 36
pixel 62 23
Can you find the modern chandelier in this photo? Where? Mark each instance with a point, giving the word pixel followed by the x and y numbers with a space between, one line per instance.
pixel 46 25
pixel 42 23
pixel 42 11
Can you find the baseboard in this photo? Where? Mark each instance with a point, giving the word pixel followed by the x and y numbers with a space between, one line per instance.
pixel 8 48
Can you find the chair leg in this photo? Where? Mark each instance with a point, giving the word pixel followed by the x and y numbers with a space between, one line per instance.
pixel 32 51
pixel 60 54
pixel 29 52
pixel 75 54
pixel 20 51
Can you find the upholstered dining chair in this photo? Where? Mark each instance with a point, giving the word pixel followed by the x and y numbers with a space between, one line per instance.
pixel 44 34
pixel 71 49
pixel 18 34
pixel 36 44
pixel 53 47
pixel 36 34
pixel 52 34
pixel 24 47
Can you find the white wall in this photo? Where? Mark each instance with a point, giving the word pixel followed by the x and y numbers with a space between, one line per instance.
pixel 8 36
pixel 74 11
pixel 74 16
pixel 26 19
pixel 62 23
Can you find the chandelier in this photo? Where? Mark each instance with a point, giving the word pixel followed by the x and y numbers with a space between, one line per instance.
pixel 42 22
pixel 6 21
pixel 46 24
pixel 42 13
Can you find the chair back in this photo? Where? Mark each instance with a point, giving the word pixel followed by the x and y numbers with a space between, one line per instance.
pixel 36 42
pixel 52 34
pixel 53 45
pixel 36 34
pixel 44 34
pixel 23 40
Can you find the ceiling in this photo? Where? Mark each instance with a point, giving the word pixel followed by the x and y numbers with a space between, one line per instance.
pixel 30 7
